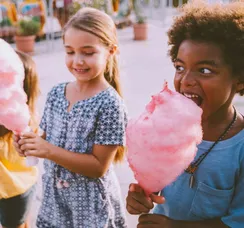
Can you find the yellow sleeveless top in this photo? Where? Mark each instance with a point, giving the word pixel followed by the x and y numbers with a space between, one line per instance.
pixel 15 177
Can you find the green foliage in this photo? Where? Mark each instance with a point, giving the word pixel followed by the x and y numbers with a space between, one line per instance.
pixel 5 22
pixel 28 27
pixel 98 4
pixel 140 17
pixel 74 7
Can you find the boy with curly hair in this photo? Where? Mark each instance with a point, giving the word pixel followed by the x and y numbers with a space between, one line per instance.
pixel 207 50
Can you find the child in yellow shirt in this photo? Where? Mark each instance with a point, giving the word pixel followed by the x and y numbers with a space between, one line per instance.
pixel 17 182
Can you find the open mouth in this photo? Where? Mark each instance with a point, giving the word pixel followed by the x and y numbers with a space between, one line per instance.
pixel 194 97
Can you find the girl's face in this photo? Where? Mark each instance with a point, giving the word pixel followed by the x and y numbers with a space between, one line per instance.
pixel 86 56
pixel 203 76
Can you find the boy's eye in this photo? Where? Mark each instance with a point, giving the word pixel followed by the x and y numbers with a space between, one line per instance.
pixel 69 52
pixel 205 71
pixel 179 68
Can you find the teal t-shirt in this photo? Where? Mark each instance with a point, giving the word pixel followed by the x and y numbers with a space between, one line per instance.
pixel 218 191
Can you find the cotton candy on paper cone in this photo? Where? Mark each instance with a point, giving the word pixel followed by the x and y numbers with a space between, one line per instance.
pixel 14 111
pixel 163 140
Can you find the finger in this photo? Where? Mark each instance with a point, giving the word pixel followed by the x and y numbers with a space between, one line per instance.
pixel 16 145
pixel 132 210
pixel 26 141
pixel 142 199
pixel 28 146
pixel 157 199
pixel 135 188
pixel 21 154
pixel 28 135
pixel 136 204
pixel 16 138
pixel 31 153
pixel 137 192
pixel 19 151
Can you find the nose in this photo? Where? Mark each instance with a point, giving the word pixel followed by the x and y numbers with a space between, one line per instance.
pixel 188 79
pixel 78 60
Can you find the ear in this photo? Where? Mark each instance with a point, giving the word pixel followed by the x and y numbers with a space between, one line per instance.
pixel 240 87
pixel 240 83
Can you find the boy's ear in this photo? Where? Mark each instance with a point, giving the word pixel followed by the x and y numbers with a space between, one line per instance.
pixel 240 84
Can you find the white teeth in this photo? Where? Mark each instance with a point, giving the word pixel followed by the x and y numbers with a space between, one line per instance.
pixel 80 70
pixel 190 95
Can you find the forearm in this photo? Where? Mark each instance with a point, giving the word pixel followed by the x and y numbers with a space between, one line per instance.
pixel 76 162
pixel 211 223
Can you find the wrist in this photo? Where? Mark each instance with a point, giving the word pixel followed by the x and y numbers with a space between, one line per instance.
pixel 50 150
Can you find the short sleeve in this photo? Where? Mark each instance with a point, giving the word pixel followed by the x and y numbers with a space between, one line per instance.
pixel 235 215
pixel 111 124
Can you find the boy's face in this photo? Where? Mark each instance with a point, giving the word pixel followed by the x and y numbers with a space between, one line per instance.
pixel 203 76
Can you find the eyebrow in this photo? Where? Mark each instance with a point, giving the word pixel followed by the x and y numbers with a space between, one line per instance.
pixel 206 62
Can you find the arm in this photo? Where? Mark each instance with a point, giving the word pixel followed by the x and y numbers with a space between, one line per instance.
pixel 107 139
pixel 212 223
pixel 100 158
pixel 160 221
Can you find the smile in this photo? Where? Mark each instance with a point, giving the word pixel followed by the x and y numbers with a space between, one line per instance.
pixel 81 70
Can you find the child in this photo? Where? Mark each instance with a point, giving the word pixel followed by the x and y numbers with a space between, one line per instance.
pixel 17 181
pixel 84 130
pixel 207 49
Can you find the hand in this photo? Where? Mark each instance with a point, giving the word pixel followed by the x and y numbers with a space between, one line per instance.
pixel 16 145
pixel 137 202
pixel 34 145
pixel 156 221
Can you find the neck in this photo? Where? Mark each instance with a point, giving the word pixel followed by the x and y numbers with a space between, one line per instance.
pixel 220 117
pixel 215 125
pixel 95 84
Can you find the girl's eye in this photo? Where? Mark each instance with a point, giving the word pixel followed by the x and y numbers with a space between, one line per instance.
pixel 205 71
pixel 179 69
pixel 69 52
pixel 89 53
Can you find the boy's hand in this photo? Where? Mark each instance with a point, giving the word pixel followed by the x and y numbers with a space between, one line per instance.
pixel 156 221
pixel 137 202
pixel 34 145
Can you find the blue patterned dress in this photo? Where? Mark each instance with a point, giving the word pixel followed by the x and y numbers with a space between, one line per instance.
pixel 71 200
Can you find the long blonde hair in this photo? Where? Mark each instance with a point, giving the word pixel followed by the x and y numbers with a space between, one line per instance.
pixel 102 26
pixel 31 88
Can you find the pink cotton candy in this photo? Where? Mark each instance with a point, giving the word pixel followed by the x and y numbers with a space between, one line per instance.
pixel 163 140
pixel 14 111
pixel 14 114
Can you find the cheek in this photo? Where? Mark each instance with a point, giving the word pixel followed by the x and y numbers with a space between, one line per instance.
pixel 97 61
pixel 177 83
pixel 68 61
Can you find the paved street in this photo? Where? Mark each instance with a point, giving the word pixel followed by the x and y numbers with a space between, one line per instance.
pixel 144 67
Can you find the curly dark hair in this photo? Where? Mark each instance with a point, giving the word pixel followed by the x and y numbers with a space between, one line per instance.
pixel 221 24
